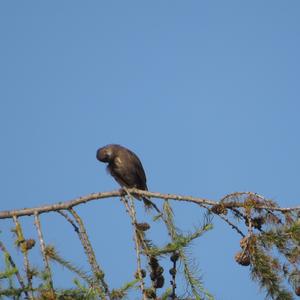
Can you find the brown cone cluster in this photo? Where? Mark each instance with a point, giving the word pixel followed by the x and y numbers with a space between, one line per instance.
pixel 219 209
pixel 243 256
pixel 142 226
pixel 156 274
pixel 29 244
pixel 150 293
pixel 257 222
pixel 174 258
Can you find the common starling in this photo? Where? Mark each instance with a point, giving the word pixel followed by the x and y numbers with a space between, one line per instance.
pixel 126 168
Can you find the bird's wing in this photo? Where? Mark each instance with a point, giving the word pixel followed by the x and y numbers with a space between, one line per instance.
pixel 138 172
pixel 120 175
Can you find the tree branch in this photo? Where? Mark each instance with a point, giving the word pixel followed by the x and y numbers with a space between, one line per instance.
pixel 98 273
pixel 12 263
pixel 131 211
pixel 119 193
pixel 20 238
pixel 43 251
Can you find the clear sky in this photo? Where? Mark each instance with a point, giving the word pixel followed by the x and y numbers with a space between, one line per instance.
pixel 205 92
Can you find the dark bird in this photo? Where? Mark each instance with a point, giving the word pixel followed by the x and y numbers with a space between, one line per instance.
pixel 126 168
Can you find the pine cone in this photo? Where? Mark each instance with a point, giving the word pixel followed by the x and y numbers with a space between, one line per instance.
pixel 159 282
pixel 174 257
pixel 258 222
pixel 172 271
pixel 142 226
pixel 29 244
pixel 242 258
pixel 159 270
pixel 219 209
pixel 150 293
pixel 153 262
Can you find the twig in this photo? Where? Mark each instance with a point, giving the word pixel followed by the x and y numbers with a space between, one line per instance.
pixel 98 273
pixel 43 250
pixel 131 211
pixel 65 215
pixel 238 214
pixel 173 273
pixel 249 219
pixel 18 275
pixel 233 226
pixel 238 194
pixel 72 203
pixel 20 236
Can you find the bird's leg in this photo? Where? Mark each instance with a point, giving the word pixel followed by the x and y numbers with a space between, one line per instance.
pixel 124 189
pixel 148 203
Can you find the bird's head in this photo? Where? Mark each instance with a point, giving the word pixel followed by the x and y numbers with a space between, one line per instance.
pixel 106 154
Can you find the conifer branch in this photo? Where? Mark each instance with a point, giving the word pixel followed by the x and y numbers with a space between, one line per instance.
pixel 131 211
pixel 37 224
pixel 65 215
pixel 98 273
pixel 53 255
pixel 24 249
pixel 265 204
pixel 16 271
pixel 193 281
pixel 269 226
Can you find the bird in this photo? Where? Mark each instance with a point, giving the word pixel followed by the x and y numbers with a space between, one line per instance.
pixel 126 168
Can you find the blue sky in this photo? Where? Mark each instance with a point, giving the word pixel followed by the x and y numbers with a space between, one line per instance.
pixel 205 92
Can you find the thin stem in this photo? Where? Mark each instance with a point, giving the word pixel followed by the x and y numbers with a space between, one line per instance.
pixel 250 225
pixel 65 215
pixel 12 263
pixel 173 281
pixel 98 273
pixel 24 250
pixel 37 224
pixel 233 226
pixel 131 211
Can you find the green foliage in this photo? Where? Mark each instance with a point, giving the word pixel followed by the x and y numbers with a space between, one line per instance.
pixel 166 295
pixel 9 269
pixel 8 273
pixel 54 256
pixel 270 247
pixel 88 293
pixel 265 270
pixel 122 292
pixel 179 243
pixel 75 294
pixel 270 271
pixel 14 293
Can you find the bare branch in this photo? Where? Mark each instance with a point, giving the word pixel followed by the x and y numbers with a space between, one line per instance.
pixel 131 211
pixel 24 250
pixel 12 263
pixel 71 203
pixel 98 273
pixel 65 215
pixel 43 247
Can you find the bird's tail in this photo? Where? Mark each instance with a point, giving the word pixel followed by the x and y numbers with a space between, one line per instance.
pixel 149 204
